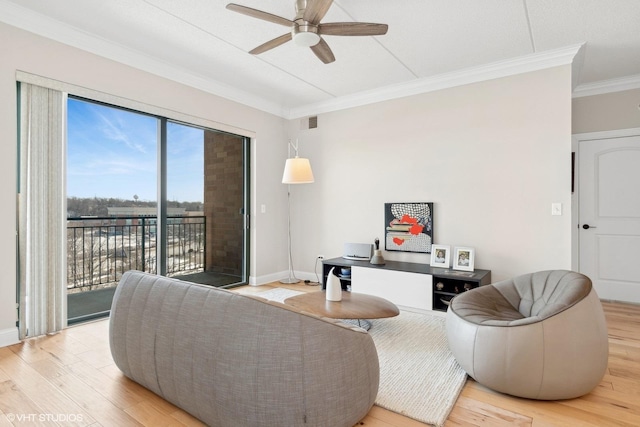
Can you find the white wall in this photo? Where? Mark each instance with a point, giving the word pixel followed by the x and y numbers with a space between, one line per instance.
pixel 492 156
pixel 20 50
pixel 609 111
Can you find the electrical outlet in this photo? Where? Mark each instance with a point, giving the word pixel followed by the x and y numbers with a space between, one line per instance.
pixel 320 256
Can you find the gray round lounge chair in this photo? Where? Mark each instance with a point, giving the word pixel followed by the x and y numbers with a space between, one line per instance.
pixel 539 336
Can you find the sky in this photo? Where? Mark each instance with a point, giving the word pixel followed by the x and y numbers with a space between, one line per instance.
pixel 113 153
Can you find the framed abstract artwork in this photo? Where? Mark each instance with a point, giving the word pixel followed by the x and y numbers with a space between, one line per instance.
pixel 408 227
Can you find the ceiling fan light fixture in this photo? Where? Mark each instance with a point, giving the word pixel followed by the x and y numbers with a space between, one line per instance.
pixel 305 36
pixel 306 29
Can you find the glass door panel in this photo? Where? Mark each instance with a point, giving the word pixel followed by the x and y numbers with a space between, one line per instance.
pixel 111 202
pixel 206 186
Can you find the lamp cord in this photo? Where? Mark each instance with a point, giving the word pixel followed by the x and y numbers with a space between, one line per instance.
pixel 315 270
pixel 292 277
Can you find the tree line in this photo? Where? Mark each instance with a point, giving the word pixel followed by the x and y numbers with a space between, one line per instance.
pixel 97 206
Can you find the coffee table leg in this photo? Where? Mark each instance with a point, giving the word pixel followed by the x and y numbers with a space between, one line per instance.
pixel 361 323
pixel 364 324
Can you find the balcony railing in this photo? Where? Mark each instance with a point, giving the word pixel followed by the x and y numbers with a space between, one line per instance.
pixel 101 249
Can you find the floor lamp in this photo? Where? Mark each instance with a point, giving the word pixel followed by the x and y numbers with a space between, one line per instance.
pixel 296 171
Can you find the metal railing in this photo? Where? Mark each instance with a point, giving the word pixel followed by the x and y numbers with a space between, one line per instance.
pixel 101 249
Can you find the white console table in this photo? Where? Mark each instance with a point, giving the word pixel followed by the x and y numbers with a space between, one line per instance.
pixel 406 284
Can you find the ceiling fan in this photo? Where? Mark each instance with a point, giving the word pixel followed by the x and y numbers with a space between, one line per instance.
pixel 306 29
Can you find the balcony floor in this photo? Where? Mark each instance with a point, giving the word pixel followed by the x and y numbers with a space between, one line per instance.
pixel 84 306
pixel 210 278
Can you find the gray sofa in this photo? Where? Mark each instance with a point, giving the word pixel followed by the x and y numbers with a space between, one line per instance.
pixel 234 360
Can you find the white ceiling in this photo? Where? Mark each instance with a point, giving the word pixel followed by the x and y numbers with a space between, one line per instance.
pixel 200 43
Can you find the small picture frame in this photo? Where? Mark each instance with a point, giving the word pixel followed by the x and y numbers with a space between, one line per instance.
pixel 440 256
pixel 463 258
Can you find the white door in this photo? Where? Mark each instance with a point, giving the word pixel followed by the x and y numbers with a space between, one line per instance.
pixel 609 216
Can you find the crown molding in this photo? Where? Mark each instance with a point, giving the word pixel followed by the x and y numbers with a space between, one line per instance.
pixel 519 65
pixel 44 26
pixel 607 86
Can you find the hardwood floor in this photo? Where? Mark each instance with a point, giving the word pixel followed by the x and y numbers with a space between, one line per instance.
pixel 69 379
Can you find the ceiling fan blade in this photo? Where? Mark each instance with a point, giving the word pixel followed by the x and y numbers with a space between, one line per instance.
pixel 352 29
pixel 315 10
pixel 255 13
pixel 323 52
pixel 271 44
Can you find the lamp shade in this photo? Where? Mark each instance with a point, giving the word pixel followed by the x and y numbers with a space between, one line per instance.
pixel 297 171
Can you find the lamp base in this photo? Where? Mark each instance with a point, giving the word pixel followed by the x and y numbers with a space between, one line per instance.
pixel 290 281
pixel 377 258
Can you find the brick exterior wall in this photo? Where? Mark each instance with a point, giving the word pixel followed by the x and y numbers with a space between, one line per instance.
pixel 223 202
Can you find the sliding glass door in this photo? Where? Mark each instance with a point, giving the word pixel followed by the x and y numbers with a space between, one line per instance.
pixel 111 202
pixel 206 176
pixel 150 194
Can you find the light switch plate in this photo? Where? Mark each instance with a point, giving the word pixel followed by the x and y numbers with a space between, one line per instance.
pixel 556 208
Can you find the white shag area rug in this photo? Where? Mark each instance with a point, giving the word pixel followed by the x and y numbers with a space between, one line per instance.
pixel 419 378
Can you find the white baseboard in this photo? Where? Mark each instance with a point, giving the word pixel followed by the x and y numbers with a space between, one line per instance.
pixel 9 337
pixel 263 280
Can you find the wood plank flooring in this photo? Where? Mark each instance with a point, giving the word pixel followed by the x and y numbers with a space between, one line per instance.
pixel 69 379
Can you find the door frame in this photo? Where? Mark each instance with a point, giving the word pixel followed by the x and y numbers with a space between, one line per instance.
pixel 576 139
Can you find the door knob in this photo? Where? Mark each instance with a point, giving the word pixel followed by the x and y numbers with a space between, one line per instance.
pixel 587 226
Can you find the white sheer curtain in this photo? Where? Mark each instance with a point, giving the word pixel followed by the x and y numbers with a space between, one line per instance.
pixel 41 211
